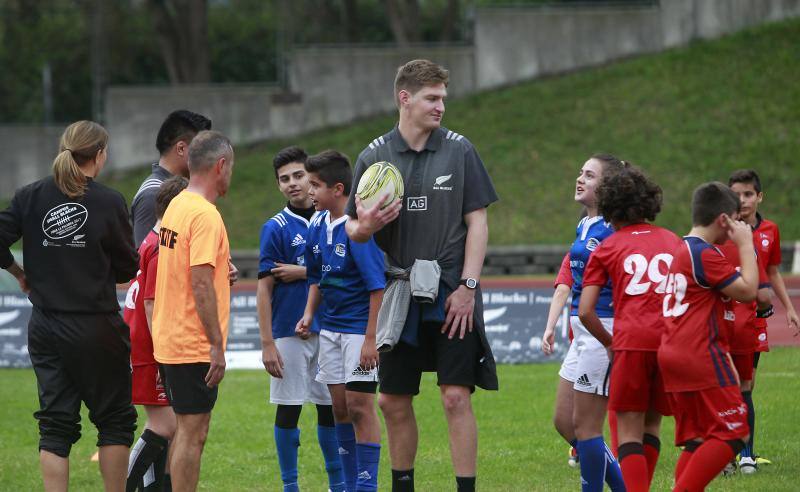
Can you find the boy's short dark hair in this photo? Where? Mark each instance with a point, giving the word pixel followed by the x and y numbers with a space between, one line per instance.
pixel 287 156
pixel 712 199
pixel 168 190
pixel 332 167
pixel 180 125
pixel 746 176
pixel 628 196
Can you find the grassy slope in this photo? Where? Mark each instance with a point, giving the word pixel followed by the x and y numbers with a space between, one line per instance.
pixel 519 449
pixel 687 116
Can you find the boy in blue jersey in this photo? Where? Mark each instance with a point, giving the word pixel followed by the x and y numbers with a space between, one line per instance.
pixel 346 281
pixel 291 360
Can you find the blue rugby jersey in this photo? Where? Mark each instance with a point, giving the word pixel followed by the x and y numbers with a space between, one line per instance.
pixel 590 233
pixel 346 272
pixel 283 240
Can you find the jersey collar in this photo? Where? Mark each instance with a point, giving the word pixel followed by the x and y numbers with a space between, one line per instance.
pixel 433 143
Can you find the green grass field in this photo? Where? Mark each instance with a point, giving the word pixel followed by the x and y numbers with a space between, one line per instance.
pixel 518 450
pixel 686 116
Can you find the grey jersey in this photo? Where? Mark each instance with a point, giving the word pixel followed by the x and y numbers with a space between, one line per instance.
pixel 143 205
pixel 443 182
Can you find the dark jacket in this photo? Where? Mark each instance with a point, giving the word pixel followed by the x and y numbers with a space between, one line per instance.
pixel 75 250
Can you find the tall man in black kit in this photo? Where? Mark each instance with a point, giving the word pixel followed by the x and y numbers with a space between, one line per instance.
pixel 78 245
pixel 444 219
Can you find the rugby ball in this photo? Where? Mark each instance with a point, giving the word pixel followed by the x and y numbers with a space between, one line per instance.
pixel 378 180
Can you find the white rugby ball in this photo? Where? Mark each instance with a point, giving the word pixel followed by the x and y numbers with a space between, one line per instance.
pixel 379 180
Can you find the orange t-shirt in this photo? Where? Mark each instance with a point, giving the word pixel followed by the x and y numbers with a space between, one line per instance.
pixel 192 234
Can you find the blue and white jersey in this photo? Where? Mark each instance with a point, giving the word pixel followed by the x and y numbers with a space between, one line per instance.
pixel 283 240
pixel 346 272
pixel 590 233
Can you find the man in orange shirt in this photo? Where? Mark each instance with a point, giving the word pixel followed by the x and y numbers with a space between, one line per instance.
pixel 192 302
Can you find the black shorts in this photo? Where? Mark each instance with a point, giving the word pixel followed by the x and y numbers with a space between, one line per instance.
pixel 186 387
pixel 456 361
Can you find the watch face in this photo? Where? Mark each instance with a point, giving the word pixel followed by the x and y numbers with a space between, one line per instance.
pixel 471 283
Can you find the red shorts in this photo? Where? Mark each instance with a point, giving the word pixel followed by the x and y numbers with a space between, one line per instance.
pixel 148 389
pixel 762 342
pixel 718 413
pixel 636 384
pixel 744 365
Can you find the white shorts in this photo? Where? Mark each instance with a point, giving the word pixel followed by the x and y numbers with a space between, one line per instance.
pixel 298 384
pixel 340 357
pixel 586 363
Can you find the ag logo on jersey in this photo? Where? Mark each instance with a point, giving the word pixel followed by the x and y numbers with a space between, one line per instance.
pixel 417 203
pixel 592 244
pixel 437 184
pixel 339 249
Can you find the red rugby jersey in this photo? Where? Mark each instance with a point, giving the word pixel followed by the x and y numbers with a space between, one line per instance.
pixel 767 242
pixel 744 339
pixel 691 356
pixel 142 287
pixel 564 273
pixel 637 259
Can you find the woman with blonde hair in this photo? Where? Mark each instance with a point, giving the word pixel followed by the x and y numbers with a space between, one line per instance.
pixel 77 246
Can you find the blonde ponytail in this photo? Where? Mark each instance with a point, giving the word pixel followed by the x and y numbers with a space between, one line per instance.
pixel 79 145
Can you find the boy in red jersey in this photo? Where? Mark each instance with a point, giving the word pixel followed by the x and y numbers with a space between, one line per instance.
pixel 766 240
pixel 150 451
pixel 636 258
pixel 703 387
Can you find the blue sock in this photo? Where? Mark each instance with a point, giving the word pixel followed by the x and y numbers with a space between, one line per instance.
pixel 613 472
pixel 346 436
pixel 747 451
pixel 595 460
pixel 369 455
pixel 330 452
pixel 287 441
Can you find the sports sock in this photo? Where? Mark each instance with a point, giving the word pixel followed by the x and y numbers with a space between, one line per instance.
pixel 598 465
pixel 685 457
pixel 613 472
pixel 346 436
pixel 748 451
pixel 705 464
pixel 465 484
pixel 652 448
pixel 153 480
pixel 403 480
pixel 287 441
pixel 634 467
pixel 330 453
pixel 612 430
pixel 149 446
pixel 369 456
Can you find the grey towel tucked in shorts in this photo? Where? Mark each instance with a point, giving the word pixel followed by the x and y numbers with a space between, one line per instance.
pixel 425 280
pixel 422 282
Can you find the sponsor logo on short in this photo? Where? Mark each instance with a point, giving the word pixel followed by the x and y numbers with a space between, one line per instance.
pixel 729 316
pixel 762 337
pixel 364 475
pixel 301 260
pixel 592 243
pixel 583 380
pixel 417 203
pixel 315 249
pixel 733 425
pixel 438 182
pixel 298 240
pixel 360 371
pixel 343 451
pixel 339 249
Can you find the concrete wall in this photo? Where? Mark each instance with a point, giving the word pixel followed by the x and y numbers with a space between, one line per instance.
pixel 245 113
pixel 341 84
pixel 517 44
pixel 336 85
pixel 28 153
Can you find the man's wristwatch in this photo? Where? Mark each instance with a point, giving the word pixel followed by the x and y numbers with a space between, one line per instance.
pixel 470 283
